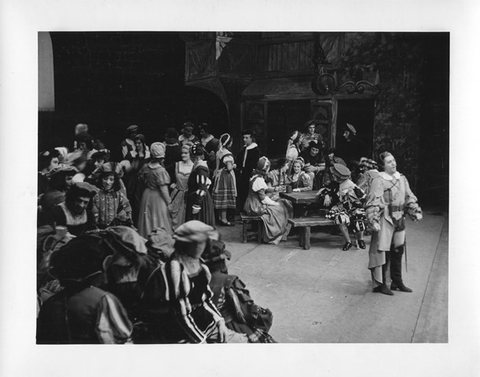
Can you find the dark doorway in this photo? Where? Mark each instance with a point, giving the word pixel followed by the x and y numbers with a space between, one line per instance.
pixel 283 118
pixel 360 114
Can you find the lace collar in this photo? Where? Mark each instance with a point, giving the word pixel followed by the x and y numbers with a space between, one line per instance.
pixel 389 177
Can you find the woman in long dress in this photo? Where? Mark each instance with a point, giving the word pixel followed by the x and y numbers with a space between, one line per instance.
pixel 274 214
pixel 181 173
pixel 153 212
pixel 199 200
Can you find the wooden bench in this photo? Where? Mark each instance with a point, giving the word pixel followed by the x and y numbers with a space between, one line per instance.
pixel 305 224
pixel 257 225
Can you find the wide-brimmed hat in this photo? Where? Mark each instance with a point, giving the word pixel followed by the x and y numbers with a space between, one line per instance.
pixel 132 128
pixel 125 239
pixel 340 171
pixel 157 150
pixel 193 231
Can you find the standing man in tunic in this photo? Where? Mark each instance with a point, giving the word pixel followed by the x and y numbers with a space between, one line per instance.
pixel 246 162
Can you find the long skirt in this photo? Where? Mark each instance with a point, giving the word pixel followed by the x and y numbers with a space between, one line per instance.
pixel 224 192
pixel 178 208
pixel 207 212
pixel 275 221
pixel 153 213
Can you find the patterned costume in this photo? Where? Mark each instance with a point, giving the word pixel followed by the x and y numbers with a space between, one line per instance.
pixel 198 195
pixel 347 205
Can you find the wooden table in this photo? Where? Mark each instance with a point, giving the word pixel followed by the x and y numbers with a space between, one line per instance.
pixel 301 201
pixel 303 197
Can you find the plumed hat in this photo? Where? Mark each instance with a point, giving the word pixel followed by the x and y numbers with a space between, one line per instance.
pixel 157 150
pixel 367 163
pixel 340 171
pixel 295 135
pixel 193 231
pixel 351 129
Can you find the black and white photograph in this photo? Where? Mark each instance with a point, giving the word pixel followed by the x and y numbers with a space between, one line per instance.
pixel 292 189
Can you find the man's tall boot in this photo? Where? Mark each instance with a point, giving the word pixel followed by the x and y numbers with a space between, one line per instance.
pixel 396 270
pixel 383 288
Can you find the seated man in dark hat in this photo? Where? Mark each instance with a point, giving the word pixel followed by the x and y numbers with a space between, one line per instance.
pixel 76 212
pixel 314 163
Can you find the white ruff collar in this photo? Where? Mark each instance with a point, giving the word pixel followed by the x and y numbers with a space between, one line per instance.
pixel 201 163
pixel 251 146
pixel 206 140
pixel 389 177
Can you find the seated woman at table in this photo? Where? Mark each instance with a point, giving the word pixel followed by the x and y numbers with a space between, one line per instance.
pixel 274 214
pixel 300 180
pixel 278 178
